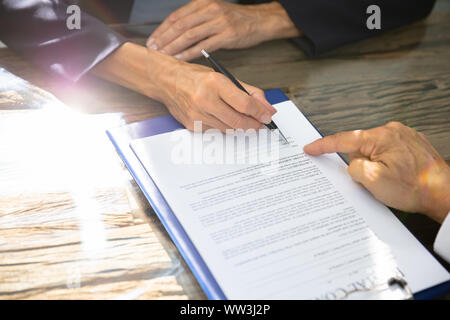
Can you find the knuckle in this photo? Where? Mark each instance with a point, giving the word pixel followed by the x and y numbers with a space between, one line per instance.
pixel 395 125
pixel 179 25
pixel 190 34
pixel 172 17
pixel 214 7
pixel 211 78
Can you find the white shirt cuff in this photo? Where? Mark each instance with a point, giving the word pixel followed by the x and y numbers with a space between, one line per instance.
pixel 442 242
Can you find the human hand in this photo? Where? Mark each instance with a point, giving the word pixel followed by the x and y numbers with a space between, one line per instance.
pixel 190 92
pixel 196 93
pixel 214 24
pixel 397 165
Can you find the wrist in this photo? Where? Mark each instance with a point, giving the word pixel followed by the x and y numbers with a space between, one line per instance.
pixel 125 66
pixel 139 69
pixel 435 185
pixel 275 23
pixel 162 72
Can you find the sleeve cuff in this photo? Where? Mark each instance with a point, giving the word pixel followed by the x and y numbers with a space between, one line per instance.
pixel 327 24
pixel 38 31
pixel 442 242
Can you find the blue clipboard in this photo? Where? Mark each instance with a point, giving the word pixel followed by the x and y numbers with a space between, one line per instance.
pixel 121 137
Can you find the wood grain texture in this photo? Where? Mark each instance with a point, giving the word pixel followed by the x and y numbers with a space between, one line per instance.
pixel 75 226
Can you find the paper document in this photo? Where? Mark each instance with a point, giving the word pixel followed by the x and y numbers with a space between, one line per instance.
pixel 284 225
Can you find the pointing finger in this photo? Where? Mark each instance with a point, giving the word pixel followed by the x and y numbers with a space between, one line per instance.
pixel 348 142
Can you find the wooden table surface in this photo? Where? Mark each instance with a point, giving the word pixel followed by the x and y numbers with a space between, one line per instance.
pixel 73 224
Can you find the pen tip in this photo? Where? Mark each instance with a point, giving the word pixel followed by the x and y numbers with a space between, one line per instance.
pixel 206 54
pixel 284 138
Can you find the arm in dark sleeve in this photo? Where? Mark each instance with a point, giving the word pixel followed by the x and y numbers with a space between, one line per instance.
pixel 37 30
pixel 327 24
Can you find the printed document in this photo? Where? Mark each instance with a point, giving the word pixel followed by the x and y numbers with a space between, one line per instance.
pixel 271 222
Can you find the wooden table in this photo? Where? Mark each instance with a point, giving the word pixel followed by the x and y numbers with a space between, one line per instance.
pixel 73 224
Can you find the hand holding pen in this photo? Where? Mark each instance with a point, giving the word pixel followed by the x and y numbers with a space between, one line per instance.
pixel 220 69
pixel 193 92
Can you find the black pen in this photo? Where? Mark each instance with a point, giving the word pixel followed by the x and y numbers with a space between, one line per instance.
pixel 219 68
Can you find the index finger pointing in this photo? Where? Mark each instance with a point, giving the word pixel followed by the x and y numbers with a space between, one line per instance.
pixel 349 141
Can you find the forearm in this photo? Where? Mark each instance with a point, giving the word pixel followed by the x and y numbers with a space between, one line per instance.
pixel 139 69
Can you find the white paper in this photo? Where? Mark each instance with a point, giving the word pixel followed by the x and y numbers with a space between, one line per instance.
pixel 301 229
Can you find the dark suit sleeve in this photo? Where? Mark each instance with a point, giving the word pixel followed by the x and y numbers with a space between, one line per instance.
pixel 328 24
pixel 37 30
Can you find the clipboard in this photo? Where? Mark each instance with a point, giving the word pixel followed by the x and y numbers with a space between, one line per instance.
pixel 121 138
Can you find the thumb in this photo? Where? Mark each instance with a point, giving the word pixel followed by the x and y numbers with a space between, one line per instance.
pixel 369 173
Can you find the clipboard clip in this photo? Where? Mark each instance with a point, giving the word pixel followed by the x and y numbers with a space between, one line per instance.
pixel 403 284
pixel 388 290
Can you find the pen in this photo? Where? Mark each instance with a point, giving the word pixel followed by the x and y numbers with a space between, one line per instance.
pixel 219 68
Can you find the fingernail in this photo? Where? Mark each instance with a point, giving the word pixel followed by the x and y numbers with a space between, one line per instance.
pixel 163 51
pixel 150 41
pixel 178 56
pixel 273 110
pixel 154 47
pixel 266 118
